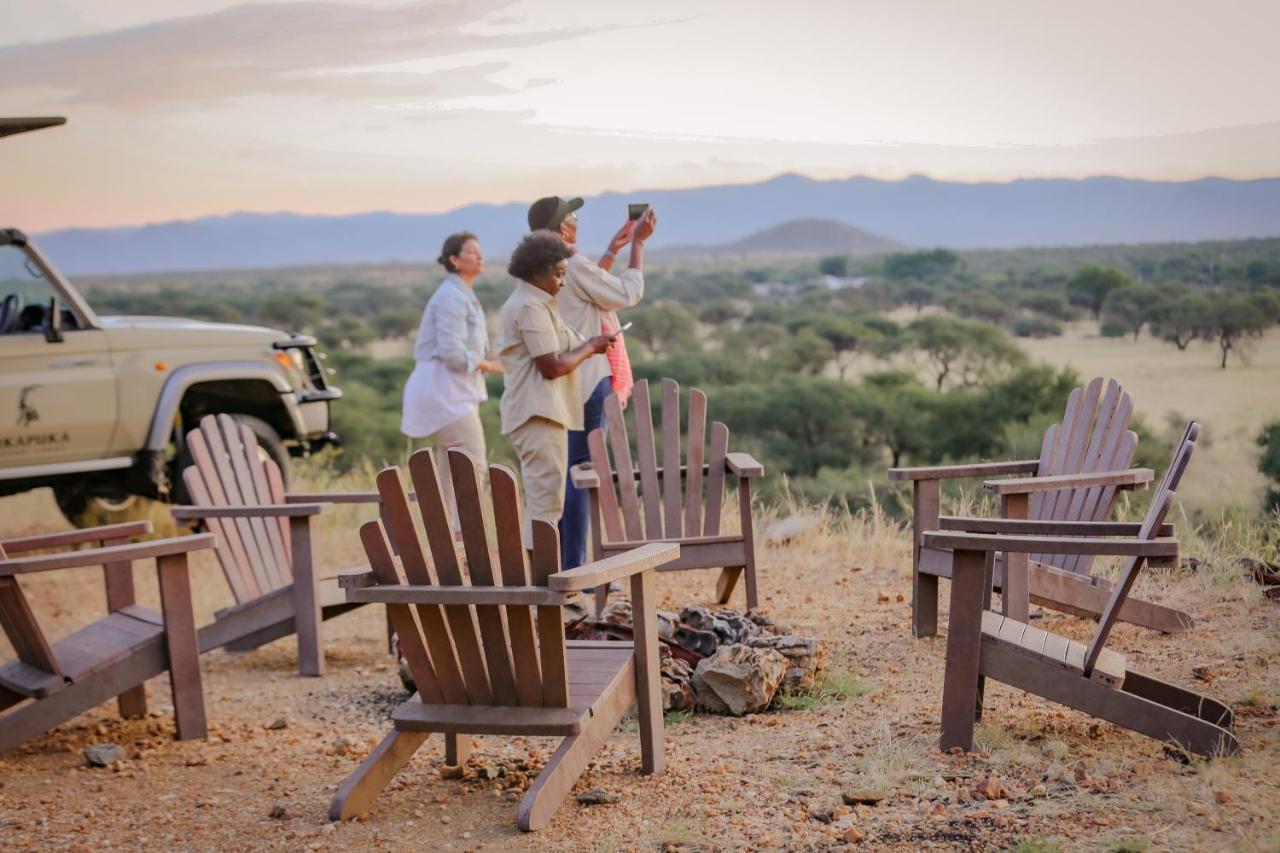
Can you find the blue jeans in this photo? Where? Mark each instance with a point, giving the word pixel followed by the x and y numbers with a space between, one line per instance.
pixel 575 521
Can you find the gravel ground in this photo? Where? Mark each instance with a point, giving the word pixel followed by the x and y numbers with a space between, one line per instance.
pixel 280 744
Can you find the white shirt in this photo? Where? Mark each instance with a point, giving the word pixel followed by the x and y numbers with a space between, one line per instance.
pixel 590 298
pixel 445 384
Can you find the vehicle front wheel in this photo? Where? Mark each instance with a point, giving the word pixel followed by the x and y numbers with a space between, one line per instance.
pixel 100 504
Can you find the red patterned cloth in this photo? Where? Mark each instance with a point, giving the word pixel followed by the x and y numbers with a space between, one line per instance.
pixel 620 364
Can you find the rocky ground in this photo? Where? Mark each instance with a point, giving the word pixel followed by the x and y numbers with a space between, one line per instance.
pixel 852 762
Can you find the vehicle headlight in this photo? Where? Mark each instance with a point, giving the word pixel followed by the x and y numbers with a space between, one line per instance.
pixel 294 365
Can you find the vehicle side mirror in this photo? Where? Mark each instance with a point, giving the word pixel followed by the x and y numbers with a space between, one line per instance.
pixel 53 323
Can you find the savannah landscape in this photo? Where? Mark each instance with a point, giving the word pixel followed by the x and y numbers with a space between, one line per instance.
pixel 1041 777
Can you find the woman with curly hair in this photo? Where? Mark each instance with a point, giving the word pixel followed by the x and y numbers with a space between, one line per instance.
pixel 541 400
pixel 442 396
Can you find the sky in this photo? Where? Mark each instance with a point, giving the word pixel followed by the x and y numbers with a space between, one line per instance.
pixel 186 108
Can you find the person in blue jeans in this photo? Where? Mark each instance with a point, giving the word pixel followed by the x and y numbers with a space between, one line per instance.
pixel 589 303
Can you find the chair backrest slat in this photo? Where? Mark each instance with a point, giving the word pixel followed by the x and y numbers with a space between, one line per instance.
pixel 555 664
pixel 278 572
pixel 647 459
pixel 606 494
pixel 20 626
pixel 715 478
pixel 671 485
pixel 210 455
pixel 621 446
pixel 697 442
pixel 507 521
pixel 460 670
pixel 475 539
pixel 1102 438
pixel 1161 503
pixel 228 546
pixel 383 565
pixel 1078 424
pixel 260 487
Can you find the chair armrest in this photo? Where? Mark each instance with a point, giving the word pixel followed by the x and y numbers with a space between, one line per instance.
pixel 254 511
pixel 337 497
pixel 1025 544
pixel 615 568
pixel 537 596
pixel 1046 528
pixel 41 541
pixel 356 578
pixel 583 476
pixel 743 465
pixel 1133 478
pixel 954 472
pixel 112 554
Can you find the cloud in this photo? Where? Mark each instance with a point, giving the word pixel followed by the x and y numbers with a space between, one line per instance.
pixel 265 49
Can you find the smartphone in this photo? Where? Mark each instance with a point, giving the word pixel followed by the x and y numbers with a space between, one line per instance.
pixel 626 326
pixel 635 211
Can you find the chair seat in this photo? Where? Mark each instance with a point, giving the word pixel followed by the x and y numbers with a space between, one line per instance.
pixel 595 670
pixel 1034 643
pixel 87 651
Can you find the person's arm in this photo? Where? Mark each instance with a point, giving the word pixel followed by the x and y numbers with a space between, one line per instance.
pixel 554 365
pixel 537 329
pixel 642 232
pixel 451 335
pixel 616 245
pixel 608 292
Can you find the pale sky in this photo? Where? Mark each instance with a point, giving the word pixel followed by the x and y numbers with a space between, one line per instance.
pixel 184 108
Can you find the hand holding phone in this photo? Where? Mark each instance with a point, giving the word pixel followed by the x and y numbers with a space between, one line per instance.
pixel 635 211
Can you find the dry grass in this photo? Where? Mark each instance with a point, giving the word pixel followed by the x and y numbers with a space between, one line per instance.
pixel 732 784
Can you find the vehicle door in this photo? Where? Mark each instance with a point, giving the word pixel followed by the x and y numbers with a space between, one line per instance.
pixel 57 397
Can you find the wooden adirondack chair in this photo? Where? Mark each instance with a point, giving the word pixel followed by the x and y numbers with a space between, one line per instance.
pixel 263 544
pixel 674 509
pixel 473 676
pixel 1091 678
pixel 1084 463
pixel 50 683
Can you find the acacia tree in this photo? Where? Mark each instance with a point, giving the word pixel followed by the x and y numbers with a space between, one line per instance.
pixel 1179 318
pixel 846 337
pixel 969 350
pixel 1235 318
pixel 1125 311
pixel 1091 284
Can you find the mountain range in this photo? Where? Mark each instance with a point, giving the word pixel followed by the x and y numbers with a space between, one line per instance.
pixel 915 211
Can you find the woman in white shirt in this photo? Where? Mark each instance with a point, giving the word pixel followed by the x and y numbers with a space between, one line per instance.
pixel 443 394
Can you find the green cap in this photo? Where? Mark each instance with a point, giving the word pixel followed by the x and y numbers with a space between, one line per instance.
pixel 549 212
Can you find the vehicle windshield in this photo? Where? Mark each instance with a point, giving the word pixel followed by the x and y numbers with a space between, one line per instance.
pixel 25 294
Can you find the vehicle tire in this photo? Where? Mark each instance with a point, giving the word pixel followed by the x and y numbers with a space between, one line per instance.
pixel 100 505
pixel 269 443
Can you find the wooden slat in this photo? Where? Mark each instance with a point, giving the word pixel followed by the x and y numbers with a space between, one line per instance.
pixel 1055 648
pixel 546 564
pixel 475 539
pixel 715 478
pixel 272 552
pixel 515 574
pixel 105 533
pixel 20 627
pixel 277 528
pixel 671 485
pixel 621 447
pixel 647 459
pixel 223 470
pixel 1155 547
pixel 608 498
pixel 1051 455
pixel 697 443
pixel 456 682
pixel 1073 460
pixel 241 564
pixel 561 721
pixel 412 644
pixel 1115 451
pixel 977 469
pixel 1075 505
pixel 275 488
pixel 527 596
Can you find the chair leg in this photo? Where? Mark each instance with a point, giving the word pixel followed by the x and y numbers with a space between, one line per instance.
pixel 361 788
pixel 571 758
pixel 1086 596
pixel 457 749
pixel 601 598
pixel 1188 702
pixel 925 500
pixel 306 603
pixel 748 541
pixel 726 583
pixel 960 694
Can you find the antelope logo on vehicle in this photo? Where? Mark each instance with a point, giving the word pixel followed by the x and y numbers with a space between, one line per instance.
pixel 27 414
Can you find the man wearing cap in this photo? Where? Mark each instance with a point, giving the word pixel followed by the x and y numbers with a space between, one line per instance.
pixel 589 303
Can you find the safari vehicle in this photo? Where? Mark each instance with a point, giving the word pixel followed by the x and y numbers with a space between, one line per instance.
pixel 97 407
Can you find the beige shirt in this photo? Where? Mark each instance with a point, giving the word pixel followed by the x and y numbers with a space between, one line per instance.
pixel 530 326
pixel 590 298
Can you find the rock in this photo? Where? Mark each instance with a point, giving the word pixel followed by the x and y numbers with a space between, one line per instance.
pixel 1205 672
pixel 677 681
pixel 738 679
pixel 863 797
pixel 1039 791
pixel 278 724
pixel 452 771
pixel 343 745
pixel 1054 749
pixel 991 788
pixel 103 755
pixel 278 812
pixel 806 657
pixel 852 835
pixel 1222 797
pixel 883 597
pixel 785 529
pixel 598 797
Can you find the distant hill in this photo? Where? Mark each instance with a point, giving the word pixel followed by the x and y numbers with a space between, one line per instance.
pixel 916 211
pixel 808 236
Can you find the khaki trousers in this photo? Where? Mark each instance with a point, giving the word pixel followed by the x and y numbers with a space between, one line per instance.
pixel 466 433
pixel 543 448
